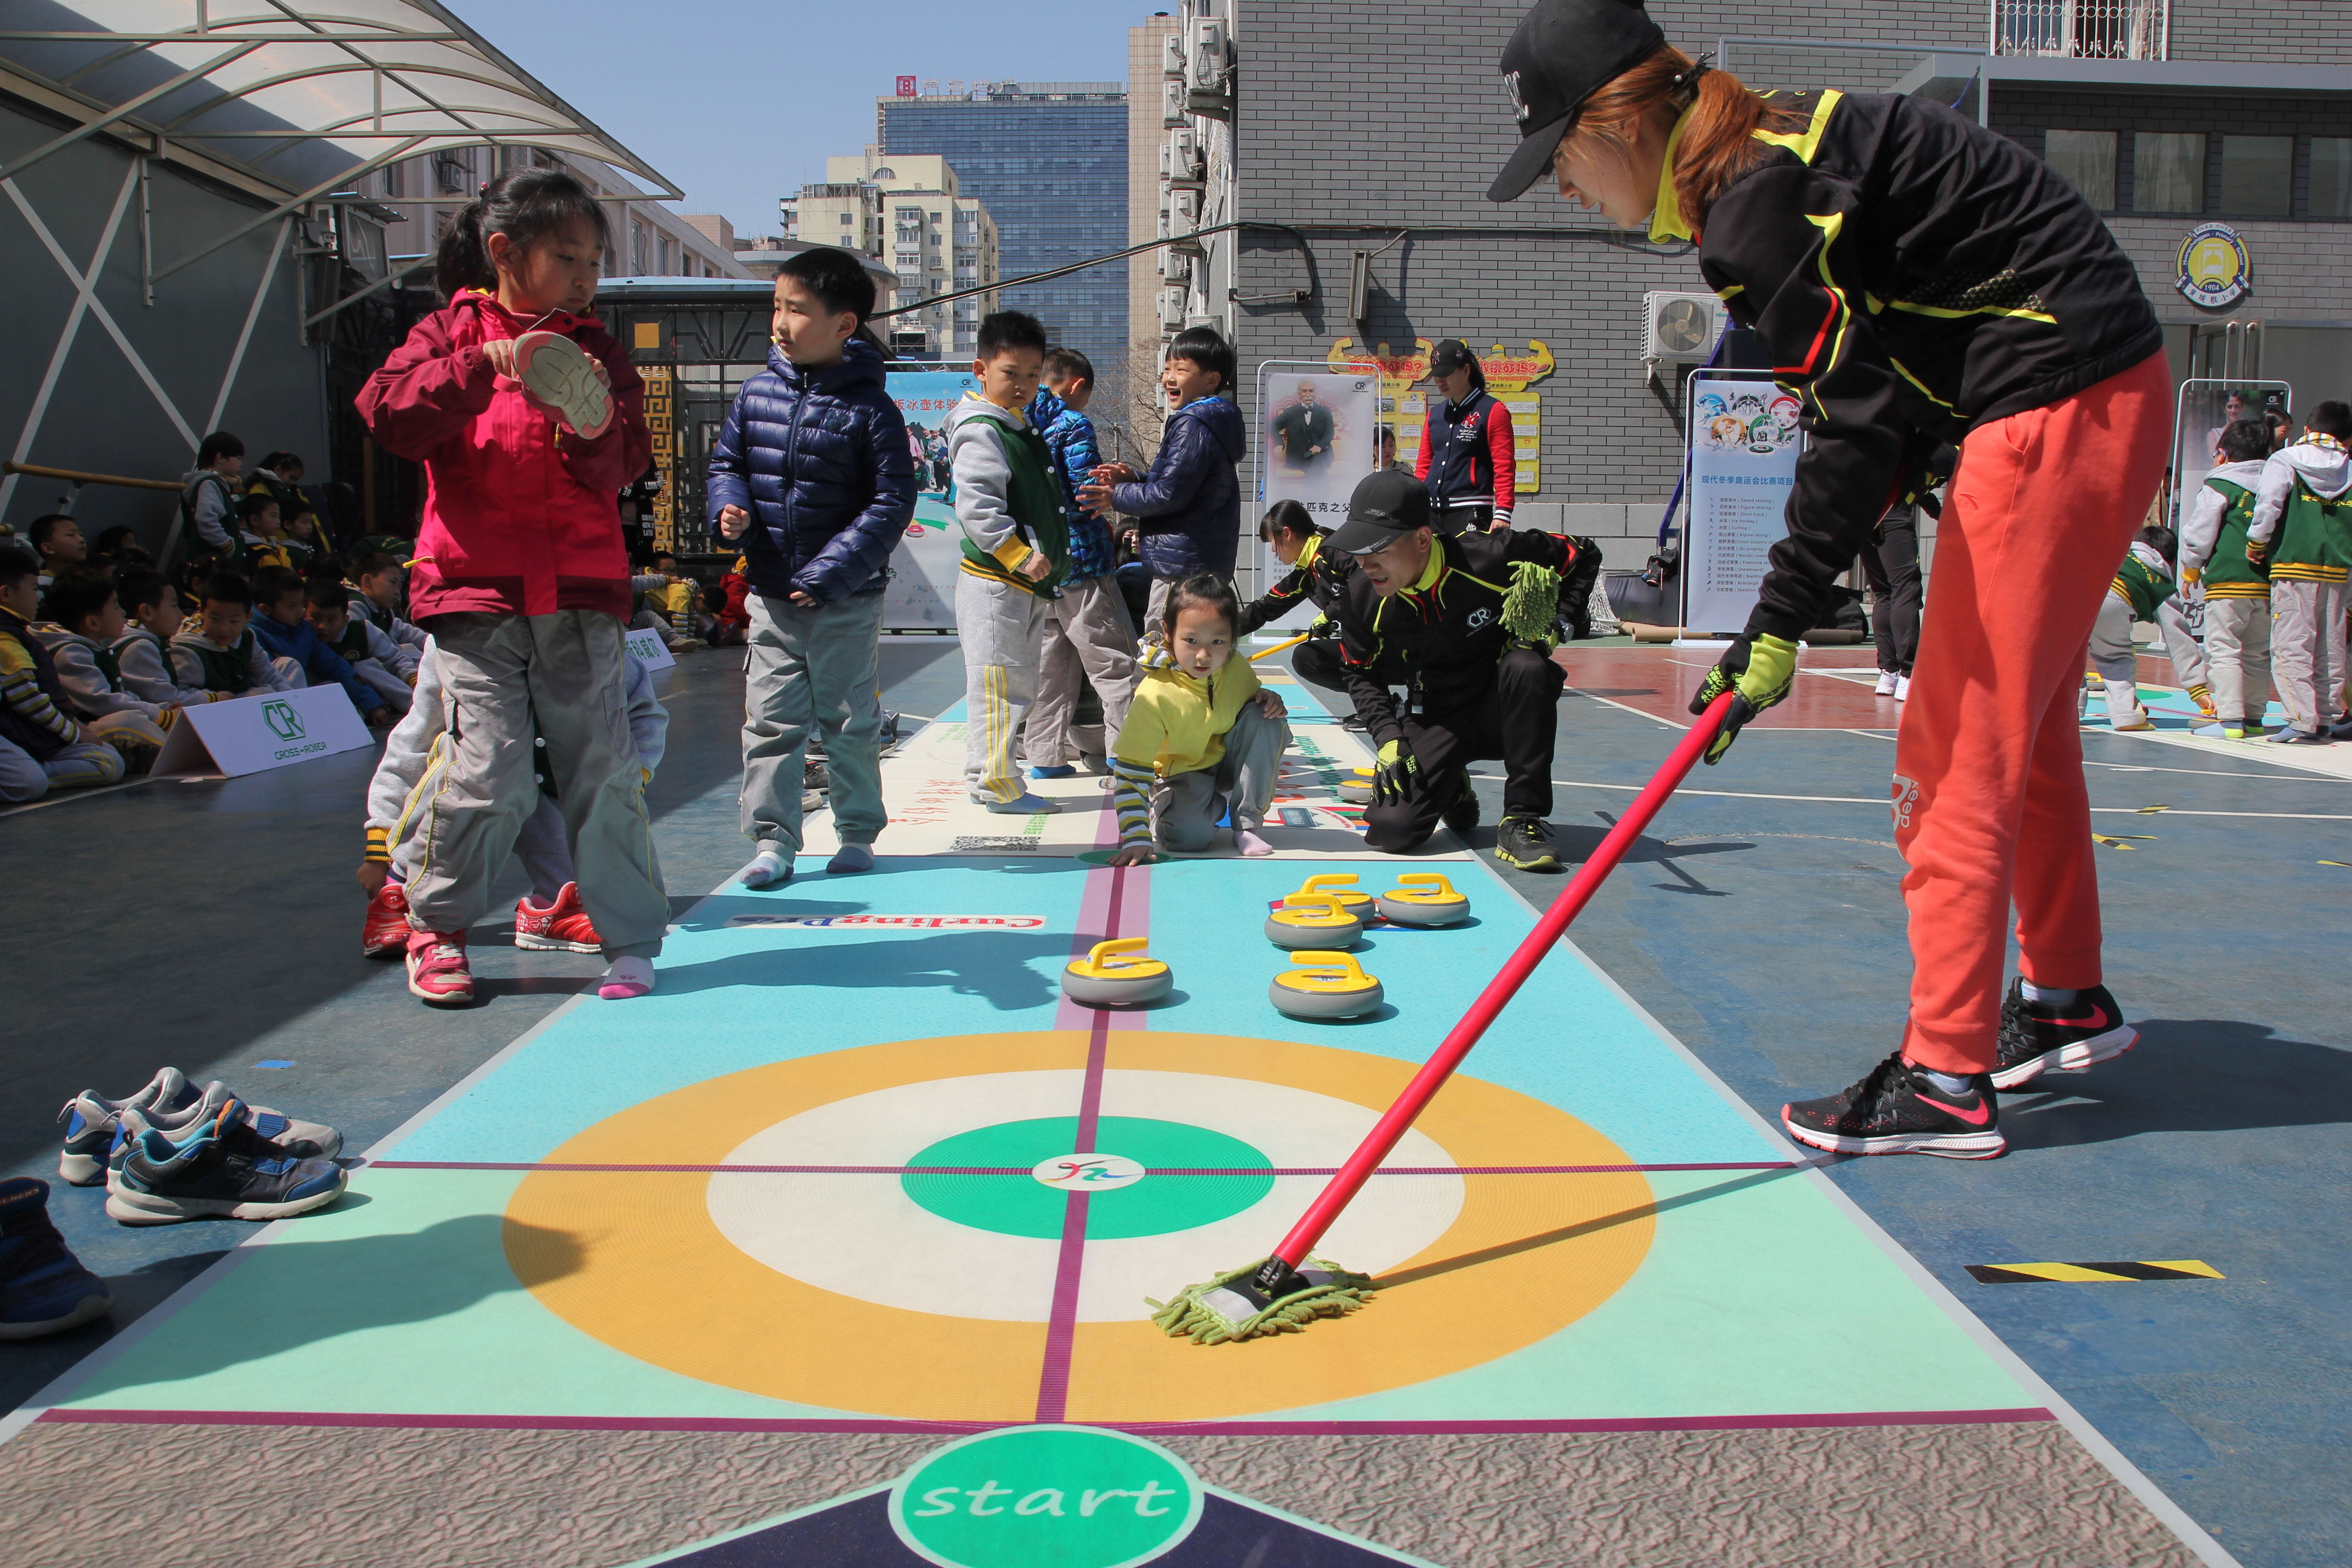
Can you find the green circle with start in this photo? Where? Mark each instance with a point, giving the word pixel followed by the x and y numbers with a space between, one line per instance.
pixel 1019 1204
pixel 1045 1497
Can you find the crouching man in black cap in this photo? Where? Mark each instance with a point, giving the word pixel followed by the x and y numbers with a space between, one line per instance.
pixel 1461 622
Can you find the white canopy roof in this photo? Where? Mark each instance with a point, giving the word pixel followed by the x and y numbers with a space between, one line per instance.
pixel 305 94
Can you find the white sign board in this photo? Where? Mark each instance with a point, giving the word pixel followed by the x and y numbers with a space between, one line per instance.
pixel 1743 446
pixel 1320 436
pixel 920 594
pixel 646 645
pixel 262 730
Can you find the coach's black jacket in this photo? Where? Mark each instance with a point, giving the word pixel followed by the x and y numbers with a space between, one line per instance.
pixel 1913 275
pixel 1443 637
pixel 1320 579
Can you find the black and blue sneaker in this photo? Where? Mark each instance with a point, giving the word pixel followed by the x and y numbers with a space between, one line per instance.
pixel 44 1288
pixel 222 1168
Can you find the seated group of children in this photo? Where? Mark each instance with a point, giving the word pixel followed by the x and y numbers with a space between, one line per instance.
pixel 97 664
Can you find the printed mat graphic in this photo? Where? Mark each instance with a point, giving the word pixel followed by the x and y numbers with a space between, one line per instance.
pixel 857 1168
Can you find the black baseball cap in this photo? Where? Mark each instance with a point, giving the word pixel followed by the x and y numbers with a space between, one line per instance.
pixel 1564 51
pixel 1384 506
pixel 1450 355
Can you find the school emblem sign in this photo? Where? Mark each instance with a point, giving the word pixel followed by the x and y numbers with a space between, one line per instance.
pixel 2215 270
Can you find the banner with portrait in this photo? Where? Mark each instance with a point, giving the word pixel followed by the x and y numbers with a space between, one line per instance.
pixel 1743 443
pixel 1319 436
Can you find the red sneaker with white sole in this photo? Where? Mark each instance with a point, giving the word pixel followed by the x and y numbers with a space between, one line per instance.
pixel 437 972
pixel 385 933
pixel 567 381
pixel 560 927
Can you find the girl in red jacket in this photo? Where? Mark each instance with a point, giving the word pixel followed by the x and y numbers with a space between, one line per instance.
pixel 528 419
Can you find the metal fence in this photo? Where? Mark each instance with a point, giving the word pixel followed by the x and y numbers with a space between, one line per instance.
pixel 2082 29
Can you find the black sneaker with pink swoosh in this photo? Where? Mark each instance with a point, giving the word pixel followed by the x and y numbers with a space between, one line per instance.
pixel 1894 1111
pixel 2037 1037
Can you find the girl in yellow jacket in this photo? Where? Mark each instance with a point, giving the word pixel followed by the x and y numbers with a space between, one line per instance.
pixel 1203 740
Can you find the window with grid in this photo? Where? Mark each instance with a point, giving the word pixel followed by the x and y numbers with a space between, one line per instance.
pixel 2168 171
pixel 2086 161
pixel 2258 175
pixel 2331 177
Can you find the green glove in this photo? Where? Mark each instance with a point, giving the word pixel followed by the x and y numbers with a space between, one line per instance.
pixel 1758 672
pixel 1395 775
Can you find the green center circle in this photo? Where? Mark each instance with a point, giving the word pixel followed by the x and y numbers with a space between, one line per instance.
pixel 1020 1205
pixel 1045 1497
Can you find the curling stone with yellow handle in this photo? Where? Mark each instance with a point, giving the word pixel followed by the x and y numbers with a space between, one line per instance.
pixel 1116 973
pixel 1341 886
pixel 1355 788
pixel 1312 920
pixel 1325 985
pixel 1423 899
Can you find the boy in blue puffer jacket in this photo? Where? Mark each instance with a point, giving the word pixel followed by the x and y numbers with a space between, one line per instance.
pixel 813 475
pixel 1190 504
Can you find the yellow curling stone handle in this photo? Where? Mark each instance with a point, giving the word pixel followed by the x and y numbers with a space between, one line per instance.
pixel 1107 960
pixel 1326 971
pixel 1313 909
pixel 1423 888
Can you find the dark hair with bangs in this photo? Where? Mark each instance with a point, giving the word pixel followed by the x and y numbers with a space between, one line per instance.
pixel 76 593
pixel 526 205
pixel 1202 588
pixel 1206 348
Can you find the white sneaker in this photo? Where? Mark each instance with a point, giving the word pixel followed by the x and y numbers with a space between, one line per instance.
pixel 1886 680
pixel 1902 688
pixel 1021 804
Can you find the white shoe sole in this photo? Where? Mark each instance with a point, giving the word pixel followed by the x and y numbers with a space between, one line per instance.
pixel 438 998
pixel 87 1309
pixel 1019 808
pixel 551 944
pixel 127 1206
pixel 556 370
pixel 80 1169
pixel 2072 1057
pixel 1985 1145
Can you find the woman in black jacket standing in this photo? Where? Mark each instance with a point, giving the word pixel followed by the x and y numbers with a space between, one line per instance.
pixel 1919 281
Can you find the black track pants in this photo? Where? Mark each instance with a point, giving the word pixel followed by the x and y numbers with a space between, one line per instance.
pixel 1515 724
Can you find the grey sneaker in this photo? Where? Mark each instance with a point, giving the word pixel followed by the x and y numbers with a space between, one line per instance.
pixel 91 1120
pixel 1021 804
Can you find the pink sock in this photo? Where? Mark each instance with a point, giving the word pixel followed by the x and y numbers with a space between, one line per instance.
pixel 1249 843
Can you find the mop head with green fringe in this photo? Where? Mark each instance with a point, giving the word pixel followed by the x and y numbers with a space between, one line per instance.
pixel 1242 1305
pixel 1531 603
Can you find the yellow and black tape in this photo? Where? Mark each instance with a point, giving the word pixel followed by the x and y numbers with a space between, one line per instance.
pixel 2091 1273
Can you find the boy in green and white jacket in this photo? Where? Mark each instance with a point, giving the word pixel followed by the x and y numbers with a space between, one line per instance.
pixel 2237 592
pixel 1016 554
pixel 2141 589
pixel 2302 532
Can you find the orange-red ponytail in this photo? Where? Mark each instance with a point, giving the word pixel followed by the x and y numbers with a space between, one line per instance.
pixel 1718 144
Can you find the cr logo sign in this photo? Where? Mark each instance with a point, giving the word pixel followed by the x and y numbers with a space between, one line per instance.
pixel 283 722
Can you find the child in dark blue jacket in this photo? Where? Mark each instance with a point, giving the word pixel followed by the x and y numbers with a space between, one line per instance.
pixel 812 475
pixel 1190 504
pixel 281 625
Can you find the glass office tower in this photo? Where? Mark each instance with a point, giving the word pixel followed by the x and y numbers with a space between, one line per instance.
pixel 1049 160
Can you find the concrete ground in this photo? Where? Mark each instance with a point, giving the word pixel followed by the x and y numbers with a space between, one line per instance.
pixel 213 926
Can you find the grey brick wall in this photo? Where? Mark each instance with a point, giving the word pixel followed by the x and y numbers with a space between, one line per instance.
pixel 1352 112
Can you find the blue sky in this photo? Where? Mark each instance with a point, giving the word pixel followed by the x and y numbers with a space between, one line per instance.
pixel 740 103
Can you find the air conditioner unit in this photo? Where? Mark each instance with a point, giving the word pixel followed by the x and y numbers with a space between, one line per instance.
pixel 1179 158
pixel 1679 328
pixel 1172 57
pixel 1164 221
pixel 1184 212
pixel 1206 61
pixel 1175 265
pixel 1173 108
pixel 1171 310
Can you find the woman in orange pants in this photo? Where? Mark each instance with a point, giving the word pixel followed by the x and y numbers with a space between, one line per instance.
pixel 1923 284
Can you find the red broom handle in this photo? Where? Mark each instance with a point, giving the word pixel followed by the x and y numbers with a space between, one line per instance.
pixel 1342 1188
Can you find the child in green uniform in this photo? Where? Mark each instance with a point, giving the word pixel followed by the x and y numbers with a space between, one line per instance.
pixel 1017 553
pixel 2237 591
pixel 2142 583
pixel 2302 532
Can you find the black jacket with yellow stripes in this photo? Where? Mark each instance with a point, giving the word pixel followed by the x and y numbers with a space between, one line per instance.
pixel 1443 636
pixel 1321 580
pixel 1914 275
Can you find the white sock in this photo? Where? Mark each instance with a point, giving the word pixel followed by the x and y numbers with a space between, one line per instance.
pixel 1949 1082
pixel 2048 996
pixel 851 858
pixel 1249 843
pixel 767 870
pixel 625 978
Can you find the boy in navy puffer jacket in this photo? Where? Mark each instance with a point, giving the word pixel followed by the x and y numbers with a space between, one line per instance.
pixel 811 474
pixel 1190 504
